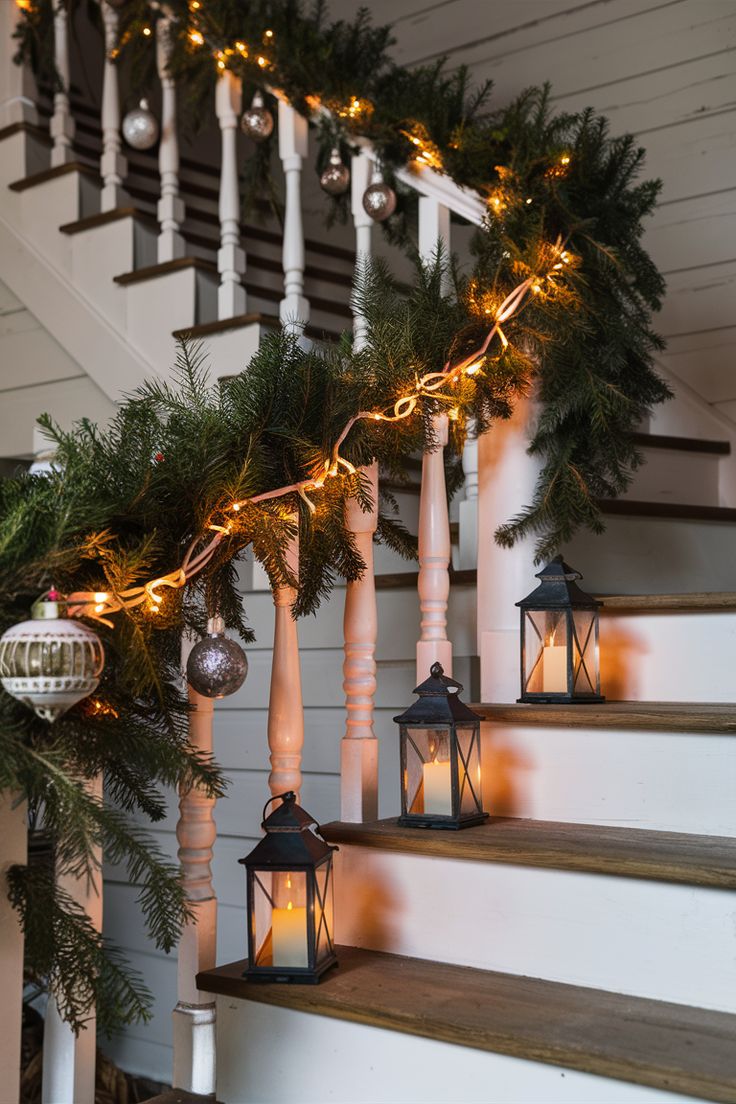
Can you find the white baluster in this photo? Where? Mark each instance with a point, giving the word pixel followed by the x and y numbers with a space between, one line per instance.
pixel 359 751
pixel 434 559
pixel 69 1060
pixel 113 166
pixel 293 130
pixel 361 170
pixel 13 833
pixel 468 517
pixel 62 125
pixel 170 206
pixel 285 711
pixel 230 256
pixel 507 477
pixel 434 520
pixel 17 87
pixel 194 1015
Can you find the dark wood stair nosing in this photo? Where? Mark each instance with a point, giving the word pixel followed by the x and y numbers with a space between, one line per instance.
pixel 632 507
pixel 681 444
pixel 642 853
pixel 667 1046
pixel 51 174
pixel 153 272
pixel 643 716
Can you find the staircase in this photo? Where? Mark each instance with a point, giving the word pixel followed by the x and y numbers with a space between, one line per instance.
pixel 580 945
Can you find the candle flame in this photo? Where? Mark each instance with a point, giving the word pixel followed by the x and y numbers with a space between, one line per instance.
pixel 289 907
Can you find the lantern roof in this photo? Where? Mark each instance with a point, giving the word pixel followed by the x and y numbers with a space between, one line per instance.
pixel 438 703
pixel 291 839
pixel 558 589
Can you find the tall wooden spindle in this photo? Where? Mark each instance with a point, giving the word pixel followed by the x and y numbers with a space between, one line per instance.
pixel 13 833
pixel 113 166
pixel 230 257
pixel 434 520
pixel 468 519
pixel 68 1060
pixel 293 130
pixel 170 209
pixel 361 170
pixel 285 710
pixel 61 126
pixel 194 1015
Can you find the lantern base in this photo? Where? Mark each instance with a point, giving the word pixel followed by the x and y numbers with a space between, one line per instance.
pixel 417 820
pixel 272 975
pixel 561 699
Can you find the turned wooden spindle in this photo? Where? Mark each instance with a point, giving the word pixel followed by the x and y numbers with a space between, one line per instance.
pixel 113 166
pixel 231 297
pixel 285 710
pixel 434 559
pixel 170 210
pixel 61 126
pixel 293 131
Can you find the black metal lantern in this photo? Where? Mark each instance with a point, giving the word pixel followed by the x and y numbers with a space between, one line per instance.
pixel 289 898
pixel 559 639
pixel 440 758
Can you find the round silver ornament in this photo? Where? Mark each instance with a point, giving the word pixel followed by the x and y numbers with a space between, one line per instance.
pixel 140 127
pixel 257 120
pixel 216 666
pixel 379 200
pixel 50 662
pixel 335 180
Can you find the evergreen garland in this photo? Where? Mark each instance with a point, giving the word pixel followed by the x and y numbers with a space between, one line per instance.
pixel 565 211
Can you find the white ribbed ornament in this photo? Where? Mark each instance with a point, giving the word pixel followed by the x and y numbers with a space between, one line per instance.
pixel 50 663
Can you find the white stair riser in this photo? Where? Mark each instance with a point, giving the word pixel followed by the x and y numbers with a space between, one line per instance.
pixel 103 252
pixel 672 475
pixel 47 206
pixel 646 938
pixel 671 781
pixel 320 1060
pixel 156 308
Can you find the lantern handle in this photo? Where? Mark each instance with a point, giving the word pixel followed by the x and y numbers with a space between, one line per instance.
pixel 288 796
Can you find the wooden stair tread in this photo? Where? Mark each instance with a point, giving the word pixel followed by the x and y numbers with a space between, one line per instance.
pixel 206 329
pixel 656 1043
pixel 633 507
pixel 152 272
pixel 51 174
pixel 180 1096
pixel 104 217
pixel 663 716
pixel 681 444
pixel 593 848
pixel 709 600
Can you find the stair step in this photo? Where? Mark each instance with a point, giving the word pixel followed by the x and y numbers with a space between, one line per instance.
pixel 681 444
pixel 666 716
pixel 51 174
pixel 710 600
pixel 634 508
pixel 104 217
pixel 667 1046
pixel 208 329
pixel 152 272
pixel 598 849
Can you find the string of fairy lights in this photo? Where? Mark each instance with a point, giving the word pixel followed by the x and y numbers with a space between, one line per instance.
pixel 99 605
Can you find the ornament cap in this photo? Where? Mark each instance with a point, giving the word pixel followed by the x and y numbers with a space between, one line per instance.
pixel 47 608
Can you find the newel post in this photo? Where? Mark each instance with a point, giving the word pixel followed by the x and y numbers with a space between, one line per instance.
pixel 285 710
pixel 293 132
pixel 113 166
pixel 61 126
pixel 170 208
pixel 231 256
pixel 196 832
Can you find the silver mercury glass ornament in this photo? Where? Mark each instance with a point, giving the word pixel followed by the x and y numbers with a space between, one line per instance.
pixel 335 180
pixel 379 199
pixel 140 127
pixel 216 666
pixel 50 662
pixel 257 120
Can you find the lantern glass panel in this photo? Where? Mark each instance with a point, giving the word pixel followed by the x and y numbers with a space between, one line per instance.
pixel 323 912
pixel 468 767
pixel 280 918
pixel 428 771
pixel 586 669
pixel 546 645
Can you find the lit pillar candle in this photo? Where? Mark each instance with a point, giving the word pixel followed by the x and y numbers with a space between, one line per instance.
pixel 438 788
pixel 554 669
pixel 289 936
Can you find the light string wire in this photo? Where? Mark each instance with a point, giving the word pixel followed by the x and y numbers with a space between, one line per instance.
pixel 99 605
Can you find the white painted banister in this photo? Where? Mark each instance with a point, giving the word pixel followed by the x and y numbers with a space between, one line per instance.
pixel 170 209
pixel 468 517
pixel 230 257
pixel 13 833
pixel 285 710
pixel 359 751
pixel 113 166
pixel 61 126
pixel 194 1015
pixel 69 1061
pixel 293 131
pixel 434 520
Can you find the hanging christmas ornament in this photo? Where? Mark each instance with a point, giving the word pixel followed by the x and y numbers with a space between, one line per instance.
pixel 140 127
pixel 336 177
pixel 50 662
pixel 379 199
pixel 257 121
pixel 217 666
